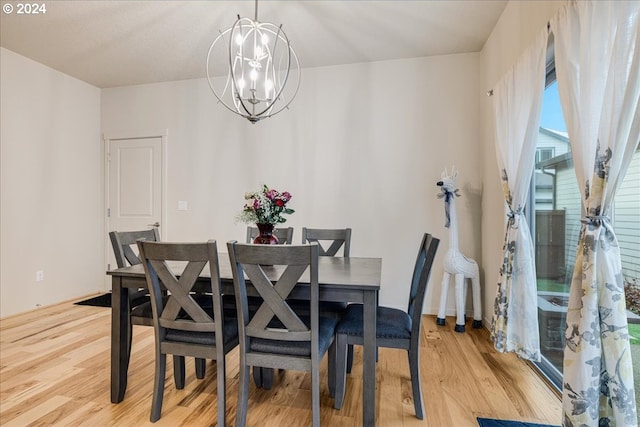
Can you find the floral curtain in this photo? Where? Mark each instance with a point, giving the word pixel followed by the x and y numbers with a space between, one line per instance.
pixel 517 105
pixel 597 54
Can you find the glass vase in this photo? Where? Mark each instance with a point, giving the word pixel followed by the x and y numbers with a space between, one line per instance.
pixel 265 235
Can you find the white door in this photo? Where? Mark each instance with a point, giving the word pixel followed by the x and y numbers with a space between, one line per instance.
pixel 134 187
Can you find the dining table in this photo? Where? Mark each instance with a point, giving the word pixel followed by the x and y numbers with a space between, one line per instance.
pixel 341 279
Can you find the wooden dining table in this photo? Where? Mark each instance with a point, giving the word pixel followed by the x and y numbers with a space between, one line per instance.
pixel 349 279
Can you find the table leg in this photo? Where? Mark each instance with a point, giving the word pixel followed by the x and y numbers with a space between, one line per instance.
pixel 120 340
pixel 369 359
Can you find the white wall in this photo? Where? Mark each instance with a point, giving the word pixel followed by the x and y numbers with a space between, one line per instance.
pixel 51 186
pixel 362 146
pixel 520 22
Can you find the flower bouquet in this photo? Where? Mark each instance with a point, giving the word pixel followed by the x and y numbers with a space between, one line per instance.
pixel 265 208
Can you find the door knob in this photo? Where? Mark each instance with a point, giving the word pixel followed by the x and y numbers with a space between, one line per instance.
pixel 155 224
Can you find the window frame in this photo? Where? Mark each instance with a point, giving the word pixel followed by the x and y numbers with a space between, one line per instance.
pixel 553 375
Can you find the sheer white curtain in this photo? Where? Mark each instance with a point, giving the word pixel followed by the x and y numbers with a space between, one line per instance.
pixel 517 105
pixel 597 48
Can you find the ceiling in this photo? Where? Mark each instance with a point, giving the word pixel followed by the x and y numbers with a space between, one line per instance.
pixel 119 43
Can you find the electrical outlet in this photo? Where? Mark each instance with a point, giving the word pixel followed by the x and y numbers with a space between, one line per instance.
pixel 39 276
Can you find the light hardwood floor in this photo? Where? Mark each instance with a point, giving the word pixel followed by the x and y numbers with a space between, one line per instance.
pixel 54 370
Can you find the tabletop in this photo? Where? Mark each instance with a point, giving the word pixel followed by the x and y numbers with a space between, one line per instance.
pixel 354 272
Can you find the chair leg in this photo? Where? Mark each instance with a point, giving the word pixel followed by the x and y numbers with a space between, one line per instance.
pixel 263 377
pixel 267 378
pixel 222 387
pixel 158 387
pixel 340 369
pixel 349 358
pixel 414 370
pixel 178 371
pixel 331 362
pixel 201 368
pixel 243 397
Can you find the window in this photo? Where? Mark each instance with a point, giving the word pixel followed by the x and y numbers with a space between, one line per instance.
pixel 555 225
pixel 543 154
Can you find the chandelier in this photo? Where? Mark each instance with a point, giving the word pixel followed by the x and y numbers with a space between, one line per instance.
pixel 260 61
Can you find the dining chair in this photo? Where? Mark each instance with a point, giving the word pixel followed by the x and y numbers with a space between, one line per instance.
pixel 284 235
pixel 124 243
pixel 335 238
pixel 395 328
pixel 187 323
pixel 275 336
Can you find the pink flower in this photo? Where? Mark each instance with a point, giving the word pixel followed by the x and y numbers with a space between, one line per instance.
pixel 286 196
pixel 271 194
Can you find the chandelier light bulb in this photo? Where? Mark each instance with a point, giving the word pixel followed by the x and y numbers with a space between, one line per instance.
pixel 268 87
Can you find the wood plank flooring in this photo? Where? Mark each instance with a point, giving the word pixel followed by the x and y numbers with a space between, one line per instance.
pixel 54 371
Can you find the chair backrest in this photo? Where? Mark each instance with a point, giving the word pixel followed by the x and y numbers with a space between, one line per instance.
pixel 274 271
pixel 420 278
pixel 335 238
pixel 179 311
pixel 284 235
pixel 123 243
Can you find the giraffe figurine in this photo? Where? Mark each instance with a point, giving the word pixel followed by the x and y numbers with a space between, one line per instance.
pixel 455 263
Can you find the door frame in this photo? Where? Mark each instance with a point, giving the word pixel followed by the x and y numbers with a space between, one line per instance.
pixel 107 137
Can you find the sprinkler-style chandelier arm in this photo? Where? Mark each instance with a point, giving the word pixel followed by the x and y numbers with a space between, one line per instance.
pixel 259 59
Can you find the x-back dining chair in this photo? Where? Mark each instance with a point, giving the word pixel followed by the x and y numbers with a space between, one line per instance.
pixel 285 237
pixel 124 243
pixel 283 234
pixel 395 328
pixel 187 323
pixel 335 238
pixel 264 377
pixel 275 336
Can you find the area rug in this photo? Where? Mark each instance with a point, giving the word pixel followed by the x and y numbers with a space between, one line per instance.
pixel 490 422
pixel 103 300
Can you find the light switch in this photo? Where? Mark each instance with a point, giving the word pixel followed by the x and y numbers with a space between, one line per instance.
pixel 182 205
